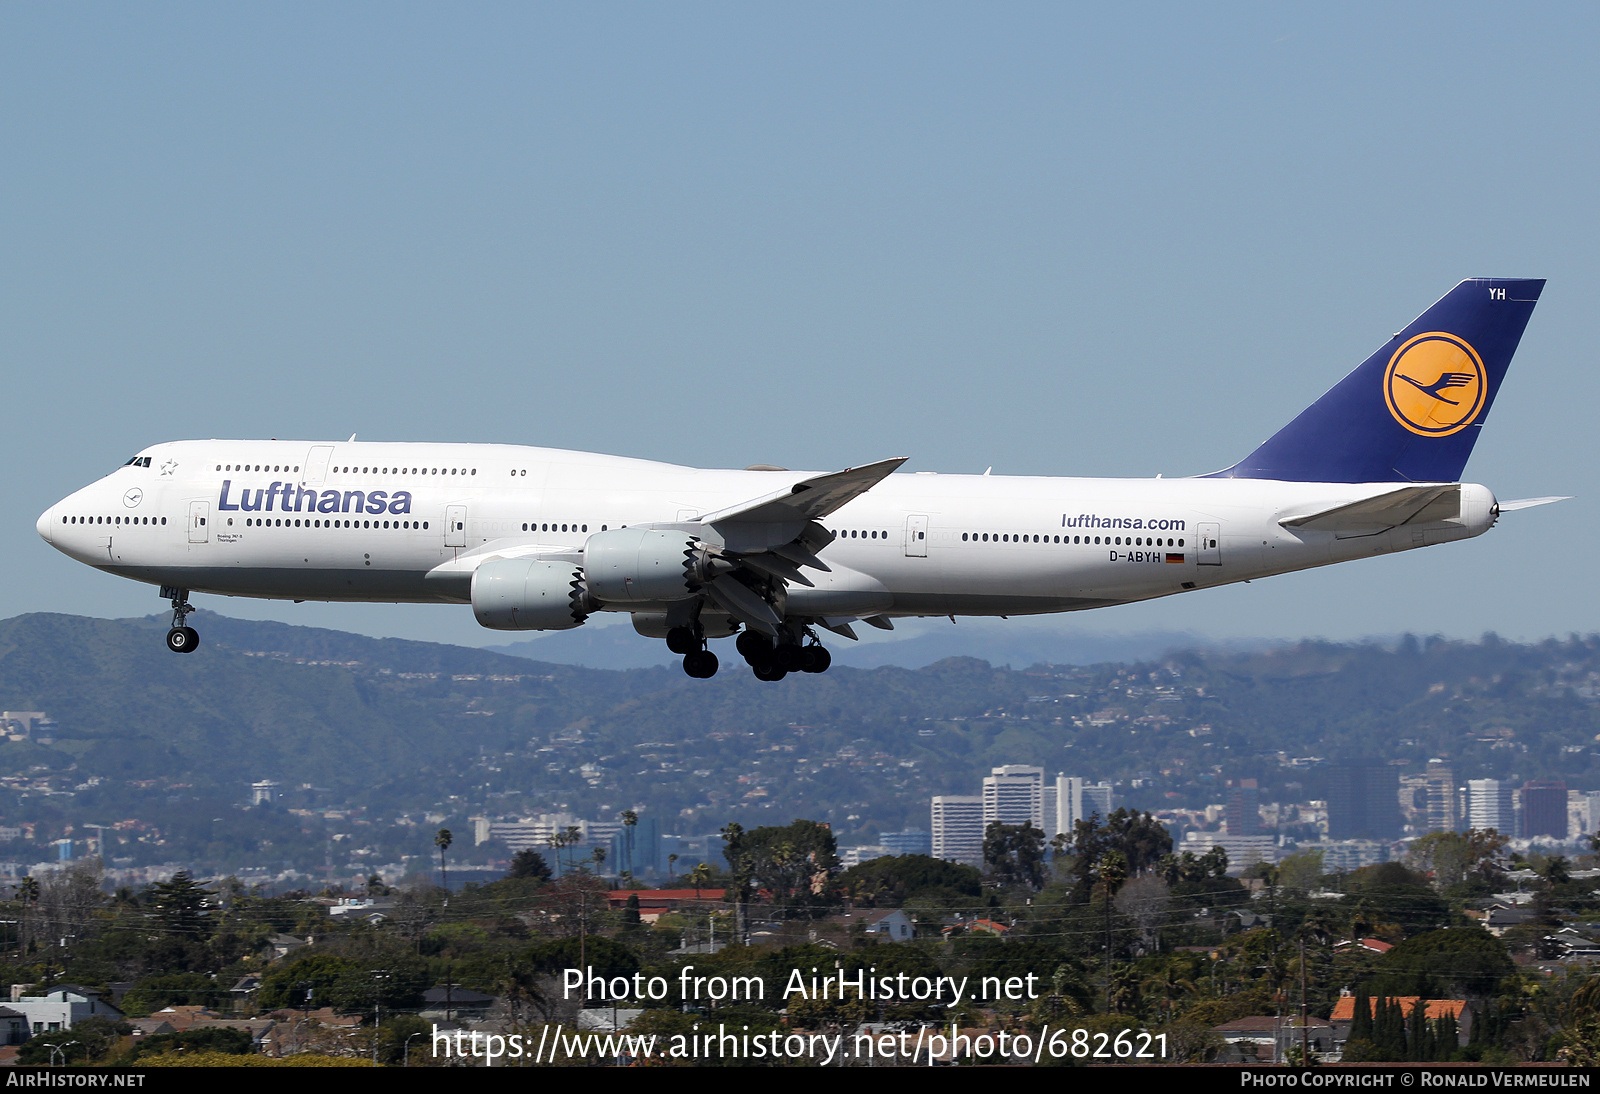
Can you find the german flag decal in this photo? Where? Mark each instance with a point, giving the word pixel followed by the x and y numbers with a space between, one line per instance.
pixel 1175 558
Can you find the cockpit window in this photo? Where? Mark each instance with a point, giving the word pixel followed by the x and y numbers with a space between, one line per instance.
pixel 138 461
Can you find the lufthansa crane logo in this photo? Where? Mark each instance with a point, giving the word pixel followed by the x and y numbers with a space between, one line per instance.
pixel 1435 384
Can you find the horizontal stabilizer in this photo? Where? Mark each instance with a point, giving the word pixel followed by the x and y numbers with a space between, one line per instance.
pixel 809 499
pixel 1412 504
pixel 1529 503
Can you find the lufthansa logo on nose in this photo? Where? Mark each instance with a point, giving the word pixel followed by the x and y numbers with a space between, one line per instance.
pixel 1435 384
pixel 133 497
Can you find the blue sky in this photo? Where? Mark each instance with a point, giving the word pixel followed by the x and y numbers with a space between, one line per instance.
pixel 1052 239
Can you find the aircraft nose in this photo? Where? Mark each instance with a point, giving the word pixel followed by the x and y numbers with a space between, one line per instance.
pixel 46 525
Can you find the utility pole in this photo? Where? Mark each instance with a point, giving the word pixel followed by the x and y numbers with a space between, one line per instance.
pixel 1305 1031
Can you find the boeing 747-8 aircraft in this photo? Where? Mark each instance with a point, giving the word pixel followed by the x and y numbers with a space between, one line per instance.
pixel 540 539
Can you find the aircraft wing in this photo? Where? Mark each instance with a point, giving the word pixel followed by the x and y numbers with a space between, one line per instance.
pixel 808 499
pixel 1418 504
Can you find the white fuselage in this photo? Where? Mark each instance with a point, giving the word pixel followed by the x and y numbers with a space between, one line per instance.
pixel 368 521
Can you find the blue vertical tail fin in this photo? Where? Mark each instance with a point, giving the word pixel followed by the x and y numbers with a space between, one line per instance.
pixel 1412 411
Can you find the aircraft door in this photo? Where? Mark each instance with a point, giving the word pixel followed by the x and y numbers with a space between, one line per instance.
pixel 199 519
pixel 455 526
pixel 317 465
pixel 916 536
pixel 1210 544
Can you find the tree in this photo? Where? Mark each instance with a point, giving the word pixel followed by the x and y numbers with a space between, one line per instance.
pixel 559 841
pixel 442 840
pixel 1453 858
pixel 630 821
pixel 1389 893
pixel 64 903
pixel 529 863
pixel 170 990
pixel 1582 1024
pixel 698 877
pixel 180 905
pixel 1014 855
pixel 1144 901
pixel 1361 1023
pixel 87 1040
pixel 229 1042
pixel 891 881
pixel 792 865
pixel 1142 841
pixel 1446 964
pixel 1301 871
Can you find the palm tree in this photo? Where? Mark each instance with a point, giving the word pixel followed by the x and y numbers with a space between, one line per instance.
pixel 1170 984
pixel 630 821
pixel 571 836
pixel 698 877
pixel 442 841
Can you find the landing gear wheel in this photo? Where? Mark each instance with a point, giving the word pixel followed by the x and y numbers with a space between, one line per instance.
pixel 768 672
pixel 682 641
pixel 815 659
pixel 753 647
pixel 700 664
pixel 787 657
pixel 183 639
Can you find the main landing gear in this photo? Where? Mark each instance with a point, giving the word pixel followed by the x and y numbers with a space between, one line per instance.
pixel 772 661
pixel 181 638
pixel 698 662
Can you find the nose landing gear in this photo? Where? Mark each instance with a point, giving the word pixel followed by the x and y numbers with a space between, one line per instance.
pixel 181 638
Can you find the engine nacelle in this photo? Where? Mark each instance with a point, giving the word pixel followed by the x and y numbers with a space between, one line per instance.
pixel 641 565
pixel 519 594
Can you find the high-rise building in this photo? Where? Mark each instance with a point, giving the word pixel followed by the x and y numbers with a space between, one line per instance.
pixel 911 841
pixel 1544 809
pixel 1363 801
pixel 1014 794
pixel 1591 813
pixel 1079 799
pixel 1243 816
pixel 1489 806
pixel 958 828
pixel 636 848
pixel 1442 812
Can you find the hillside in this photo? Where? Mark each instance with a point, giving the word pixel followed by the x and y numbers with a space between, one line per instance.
pixel 385 728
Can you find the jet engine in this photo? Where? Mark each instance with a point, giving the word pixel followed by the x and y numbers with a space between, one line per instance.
pixel 643 565
pixel 519 594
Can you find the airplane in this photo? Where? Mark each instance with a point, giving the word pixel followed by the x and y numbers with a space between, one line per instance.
pixel 538 539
